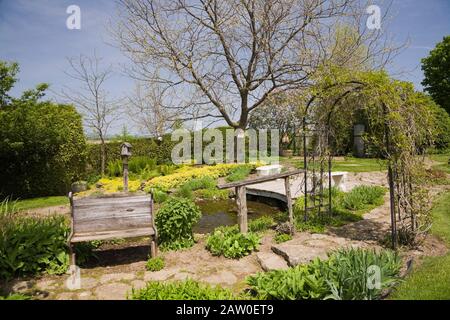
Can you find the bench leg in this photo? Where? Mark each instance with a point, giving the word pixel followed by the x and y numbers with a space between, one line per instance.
pixel 153 248
pixel 72 258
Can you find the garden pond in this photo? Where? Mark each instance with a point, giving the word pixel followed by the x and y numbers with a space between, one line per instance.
pixel 217 213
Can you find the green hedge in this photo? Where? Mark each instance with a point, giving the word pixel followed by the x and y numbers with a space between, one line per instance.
pixel 141 147
pixel 42 149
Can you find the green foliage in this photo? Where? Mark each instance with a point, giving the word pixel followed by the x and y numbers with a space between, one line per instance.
pixel 115 168
pixel 159 196
pixel 239 173
pixel 8 77
pixel 155 264
pixel 7 206
pixel 361 196
pixel 16 296
pixel 346 207
pixel 139 163
pixel 181 290
pixel 436 69
pixel 161 152
pixel 201 183
pixel 298 283
pixel 282 237
pixel 42 146
pixel 32 245
pixel 212 194
pixel 441 120
pixel 343 276
pixel 261 224
pixel 174 221
pixel 230 243
pixel 29 204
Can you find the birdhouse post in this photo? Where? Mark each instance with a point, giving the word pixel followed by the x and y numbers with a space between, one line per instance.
pixel 125 152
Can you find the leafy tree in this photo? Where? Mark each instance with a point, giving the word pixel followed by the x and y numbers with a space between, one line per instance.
pixel 8 72
pixel 42 144
pixel 436 68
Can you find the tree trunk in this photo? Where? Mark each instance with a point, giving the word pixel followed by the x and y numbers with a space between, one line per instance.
pixel 102 156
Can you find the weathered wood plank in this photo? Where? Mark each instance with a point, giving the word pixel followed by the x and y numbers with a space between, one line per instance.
pixel 260 179
pixel 116 234
pixel 99 212
pixel 110 201
pixel 112 224
pixel 241 201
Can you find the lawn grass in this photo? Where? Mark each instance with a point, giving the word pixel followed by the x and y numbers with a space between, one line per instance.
pixel 349 164
pixel 431 280
pixel 42 202
pixel 443 159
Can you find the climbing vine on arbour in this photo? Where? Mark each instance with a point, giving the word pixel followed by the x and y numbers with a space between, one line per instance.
pixel 399 125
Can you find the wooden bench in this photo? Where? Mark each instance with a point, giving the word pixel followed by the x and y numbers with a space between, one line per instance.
pixel 114 216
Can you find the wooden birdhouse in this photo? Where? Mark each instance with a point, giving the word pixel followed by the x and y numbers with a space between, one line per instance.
pixel 126 149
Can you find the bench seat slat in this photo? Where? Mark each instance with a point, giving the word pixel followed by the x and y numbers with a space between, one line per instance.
pixel 116 234
pixel 95 213
pixel 112 224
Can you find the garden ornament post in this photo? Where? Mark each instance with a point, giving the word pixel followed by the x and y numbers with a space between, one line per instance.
pixel 125 152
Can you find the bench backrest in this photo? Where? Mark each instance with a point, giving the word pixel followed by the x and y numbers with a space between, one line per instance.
pixel 111 213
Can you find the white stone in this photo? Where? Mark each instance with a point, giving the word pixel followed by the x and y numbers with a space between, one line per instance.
pixel 268 170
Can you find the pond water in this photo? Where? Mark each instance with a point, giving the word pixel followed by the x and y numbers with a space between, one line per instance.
pixel 217 213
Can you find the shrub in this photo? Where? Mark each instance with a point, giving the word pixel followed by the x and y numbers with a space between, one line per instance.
pixel 282 237
pixel 138 163
pixel 115 168
pixel 297 283
pixel 159 196
pixel 347 271
pixel 32 245
pixel 261 224
pixel 184 192
pixel 230 243
pixel 155 264
pixel 175 220
pixel 342 276
pixel 42 148
pixel 181 290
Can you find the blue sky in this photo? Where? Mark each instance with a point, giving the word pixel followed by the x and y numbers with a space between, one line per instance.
pixel 34 33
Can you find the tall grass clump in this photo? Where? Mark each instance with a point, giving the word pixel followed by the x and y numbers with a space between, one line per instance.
pixel 361 196
pixel 347 274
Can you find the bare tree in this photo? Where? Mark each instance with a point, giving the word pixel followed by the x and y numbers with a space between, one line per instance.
pixel 149 107
pixel 233 54
pixel 98 109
